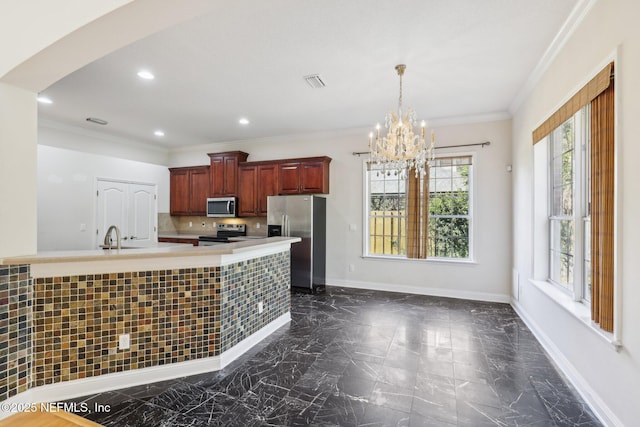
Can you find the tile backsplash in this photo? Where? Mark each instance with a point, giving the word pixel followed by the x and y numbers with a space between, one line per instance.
pixel 256 226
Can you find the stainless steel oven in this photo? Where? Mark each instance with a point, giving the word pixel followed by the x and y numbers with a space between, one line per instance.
pixel 223 233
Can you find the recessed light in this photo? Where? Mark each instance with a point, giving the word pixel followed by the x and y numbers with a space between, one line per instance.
pixel 158 133
pixel 147 75
pixel 44 100
pixel 243 121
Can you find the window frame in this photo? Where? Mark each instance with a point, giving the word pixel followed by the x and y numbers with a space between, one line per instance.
pixel 580 209
pixel 472 185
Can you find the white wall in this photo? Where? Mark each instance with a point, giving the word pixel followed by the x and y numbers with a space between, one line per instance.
pixel 17 171
pixel 36 31
pixel 67 193
pixel 607 378
pixel 488 278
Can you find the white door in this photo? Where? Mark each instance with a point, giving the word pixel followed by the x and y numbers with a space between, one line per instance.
pixel 112 207
pixel 129 206
pixel 142 215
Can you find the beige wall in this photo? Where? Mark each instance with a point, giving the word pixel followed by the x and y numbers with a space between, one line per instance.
pixel 608 378
pixel 488 278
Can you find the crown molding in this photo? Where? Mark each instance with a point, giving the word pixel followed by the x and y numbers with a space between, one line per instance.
pixel 104 137
pixel 464 120
pixel 574 20
pixel 337 133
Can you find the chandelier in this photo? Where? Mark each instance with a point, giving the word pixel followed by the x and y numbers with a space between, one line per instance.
pixel 401 149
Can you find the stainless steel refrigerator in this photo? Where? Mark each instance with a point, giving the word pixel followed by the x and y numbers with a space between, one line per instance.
pixel 302 216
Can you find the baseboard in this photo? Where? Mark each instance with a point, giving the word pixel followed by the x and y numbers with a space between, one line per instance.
pixel 243 346
pixel 593 399
pixel 71 389
pixel 419 290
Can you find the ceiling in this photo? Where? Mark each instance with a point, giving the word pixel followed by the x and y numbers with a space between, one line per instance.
pixel 248 58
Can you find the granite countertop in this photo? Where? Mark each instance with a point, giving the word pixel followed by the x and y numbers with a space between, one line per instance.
pixel 160 251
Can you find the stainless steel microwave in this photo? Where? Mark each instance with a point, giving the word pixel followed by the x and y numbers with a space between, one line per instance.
pixel 221 207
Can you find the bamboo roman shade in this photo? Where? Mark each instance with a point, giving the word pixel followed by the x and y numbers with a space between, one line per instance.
pixel 588 93
pixel 417 214
pixel 602 208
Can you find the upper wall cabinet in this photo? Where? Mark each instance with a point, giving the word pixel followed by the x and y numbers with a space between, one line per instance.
pixel 256 182
pixel 224 173
pixel 304 176
pixel 189 189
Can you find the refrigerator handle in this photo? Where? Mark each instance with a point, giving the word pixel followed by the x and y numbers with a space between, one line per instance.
pixel 283 230
pixel 288 225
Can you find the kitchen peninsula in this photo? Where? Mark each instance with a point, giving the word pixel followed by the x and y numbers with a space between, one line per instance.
pixel 172 310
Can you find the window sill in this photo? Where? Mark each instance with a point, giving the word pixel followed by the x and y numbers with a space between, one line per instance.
pixel 577 309
pixel 428 260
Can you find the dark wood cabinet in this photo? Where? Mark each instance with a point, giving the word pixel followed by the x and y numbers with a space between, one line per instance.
pixel 224 173
pixel 229 175
pixel 304 176
pixel 193 242
pixel 256 181
pixel 189 189
pixel 289 178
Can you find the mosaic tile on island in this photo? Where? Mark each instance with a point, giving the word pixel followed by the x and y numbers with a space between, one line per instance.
pixel 15 330
pixel 171 316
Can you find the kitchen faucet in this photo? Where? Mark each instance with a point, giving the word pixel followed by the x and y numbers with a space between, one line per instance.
pixel 108 241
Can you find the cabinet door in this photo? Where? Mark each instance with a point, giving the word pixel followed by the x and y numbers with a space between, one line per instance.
pixel 230 176
pixel 289 178
pixel 216 172
pixel 247 180
pixel 199 190
pixel 267 186
pixel 314 178
pixel 224 172
pixel 179 192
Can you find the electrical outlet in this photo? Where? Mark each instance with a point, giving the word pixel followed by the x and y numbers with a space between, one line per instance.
pixel 124 341
pixel 260 307
pixel 258 225
pixel 190 223
pixel 352 268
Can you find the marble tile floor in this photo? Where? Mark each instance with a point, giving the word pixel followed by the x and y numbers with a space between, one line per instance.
pixel 366 358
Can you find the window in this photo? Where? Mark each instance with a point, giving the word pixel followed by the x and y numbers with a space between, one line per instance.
pixel 449 208
pixel 579 210
pixel 569 230
pixel 387 213
pixel 450 219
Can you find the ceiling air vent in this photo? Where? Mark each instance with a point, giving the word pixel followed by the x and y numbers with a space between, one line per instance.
pixel 97 121
pixel 315 81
